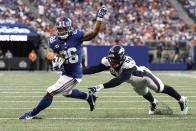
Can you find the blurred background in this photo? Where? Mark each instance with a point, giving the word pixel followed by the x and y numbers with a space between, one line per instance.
pixel 159 34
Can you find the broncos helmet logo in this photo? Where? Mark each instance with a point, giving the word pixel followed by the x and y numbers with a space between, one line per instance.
pixel 63 27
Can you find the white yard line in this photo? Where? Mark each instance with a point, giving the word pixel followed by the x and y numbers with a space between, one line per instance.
pixel 180 75
pixel 85 101
pixel 116 118
pixel 98 96
pixel 46 85
pixel 71 108
pixel 83 88
pixel 29 92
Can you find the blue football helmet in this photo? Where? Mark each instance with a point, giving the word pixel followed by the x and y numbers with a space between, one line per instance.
pixel 116 56
pixel 63 27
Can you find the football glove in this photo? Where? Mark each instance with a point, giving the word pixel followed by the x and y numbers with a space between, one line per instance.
pixel 95 89
pixel 57 62
pixel 101 12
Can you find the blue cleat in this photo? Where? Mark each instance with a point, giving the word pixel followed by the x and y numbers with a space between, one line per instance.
pixel 91 101
pixel 28 116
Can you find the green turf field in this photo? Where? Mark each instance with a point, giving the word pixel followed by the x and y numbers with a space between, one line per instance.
pixel 117 109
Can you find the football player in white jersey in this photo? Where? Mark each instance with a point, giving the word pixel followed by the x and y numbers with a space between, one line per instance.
pixel 141 78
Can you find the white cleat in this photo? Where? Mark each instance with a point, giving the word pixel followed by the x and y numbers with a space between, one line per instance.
pixel 153 107
pixel 183 105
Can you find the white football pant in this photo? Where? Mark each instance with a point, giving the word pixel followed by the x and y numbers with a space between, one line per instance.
pixel 64 85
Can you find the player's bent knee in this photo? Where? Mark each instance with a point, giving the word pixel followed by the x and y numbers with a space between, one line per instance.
pixel 67 93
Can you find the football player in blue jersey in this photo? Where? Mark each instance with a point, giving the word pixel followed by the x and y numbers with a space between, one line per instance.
pixel 66 46
pixel 141 78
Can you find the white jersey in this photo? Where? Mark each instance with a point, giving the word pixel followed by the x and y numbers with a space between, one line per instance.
pixel 127 64
pixel 141 76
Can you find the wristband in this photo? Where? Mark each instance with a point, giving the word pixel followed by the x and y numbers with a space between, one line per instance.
pixel 99 19
pixel 99 87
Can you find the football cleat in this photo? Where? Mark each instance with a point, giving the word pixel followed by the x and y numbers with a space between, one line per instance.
pixel 28 116
pixel 91 101
pixel 183 105
pixel 153 107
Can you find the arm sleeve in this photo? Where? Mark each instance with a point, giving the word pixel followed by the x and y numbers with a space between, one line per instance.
pixel 95 69
pixel 125 75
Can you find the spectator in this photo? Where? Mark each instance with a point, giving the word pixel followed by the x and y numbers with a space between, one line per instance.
pixel 32 57
pixel 1 54
pixel 159 52
pixel 8 54
pixel 189 61
pixel 83 58
pixel 177 54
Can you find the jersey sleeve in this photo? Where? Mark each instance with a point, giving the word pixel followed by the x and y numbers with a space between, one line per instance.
pixel 125 75
pixel 105 61
pixel 128 63
pixel 95 69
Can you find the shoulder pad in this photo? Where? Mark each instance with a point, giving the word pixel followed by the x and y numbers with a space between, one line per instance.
pixel 105 61
pixel 51 40
pixel 128 63
pixel 53 44
pixel 78 33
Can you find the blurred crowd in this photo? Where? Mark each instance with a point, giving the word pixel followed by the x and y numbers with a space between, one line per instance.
pixel 128 22
pixel 17 11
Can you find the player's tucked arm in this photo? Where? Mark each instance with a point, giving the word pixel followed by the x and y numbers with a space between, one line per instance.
pixel 125 75
pixel 95 69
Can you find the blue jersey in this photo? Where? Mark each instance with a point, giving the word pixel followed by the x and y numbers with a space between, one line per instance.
pixel 71 50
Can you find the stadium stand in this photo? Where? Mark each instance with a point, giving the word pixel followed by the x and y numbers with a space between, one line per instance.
pixel 128 22
pixel 17 11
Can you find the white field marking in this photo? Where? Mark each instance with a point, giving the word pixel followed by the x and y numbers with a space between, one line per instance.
pixel 84 108
pixel 98 96
pixel 45 92
pixel 180 75
pixel 115 118
pixel 131 92
pixel 82 86
pixel 138 101
pixel 116 89
pixel 46 85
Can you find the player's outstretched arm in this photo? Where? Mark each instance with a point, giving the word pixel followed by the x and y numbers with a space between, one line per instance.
pixel 92 34
pixel 125 75
pixel 95 69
